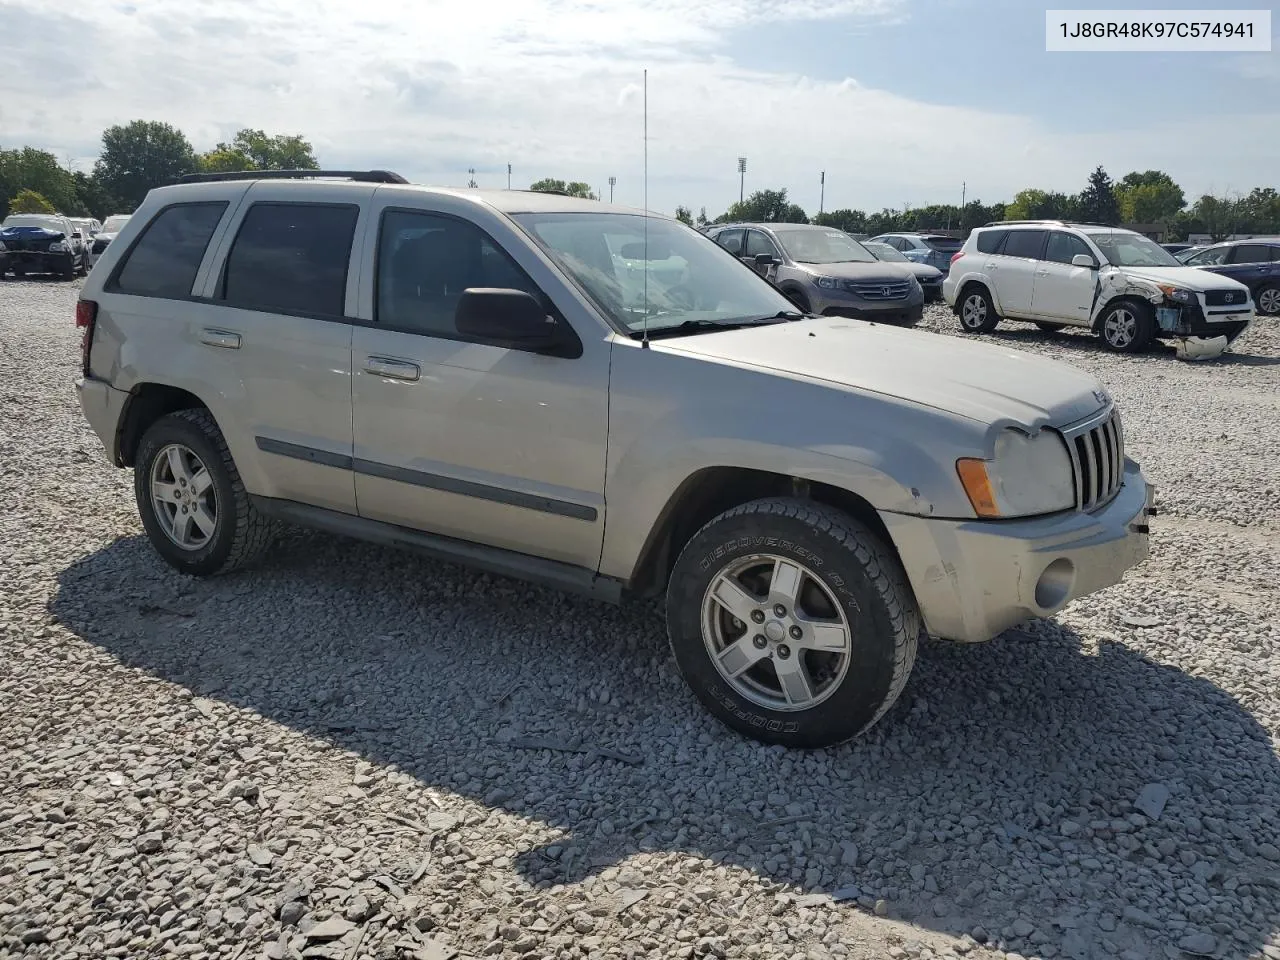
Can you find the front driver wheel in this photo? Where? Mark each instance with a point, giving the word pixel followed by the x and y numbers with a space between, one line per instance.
pixel 792 622
pixel 1128 326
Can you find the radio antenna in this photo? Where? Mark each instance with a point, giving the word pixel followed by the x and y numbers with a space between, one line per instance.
pixel 645 342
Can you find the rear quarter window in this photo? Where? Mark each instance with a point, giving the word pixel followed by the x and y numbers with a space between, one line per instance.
pixel 166 257
pixel 989 241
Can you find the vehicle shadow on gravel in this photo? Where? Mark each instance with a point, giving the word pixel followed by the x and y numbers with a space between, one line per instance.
pixel 1002 791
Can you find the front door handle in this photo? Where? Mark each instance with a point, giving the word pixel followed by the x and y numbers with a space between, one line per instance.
pixel 227 339
pixel 395 369
pixel 1042 273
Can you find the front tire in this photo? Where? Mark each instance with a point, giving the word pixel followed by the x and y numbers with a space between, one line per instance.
pixel 1127 326
pixel 68 269
pixel 799 299
pixel 191 500
pixel 976 311
pixel 1268 300
pixel 792 622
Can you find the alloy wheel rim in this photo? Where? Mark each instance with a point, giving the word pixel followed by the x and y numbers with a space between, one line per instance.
pixel 183 497
pixel 1121 327
pixel 775 633
pixel 974 311
pixel 1269 301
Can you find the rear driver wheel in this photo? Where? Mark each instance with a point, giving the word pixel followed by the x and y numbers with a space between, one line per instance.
pixel 792 622
pixel 976 311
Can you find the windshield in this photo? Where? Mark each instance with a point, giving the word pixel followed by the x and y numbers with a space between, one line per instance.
pixel 114 224
pixel 690 279
pixel 883 251
pixel 1124 249
pixel 816 245
pixel 34 220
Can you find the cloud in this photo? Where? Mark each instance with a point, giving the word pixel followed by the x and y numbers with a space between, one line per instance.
pixel 433 87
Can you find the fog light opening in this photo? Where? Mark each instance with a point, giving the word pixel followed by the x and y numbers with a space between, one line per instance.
pixel 1054 585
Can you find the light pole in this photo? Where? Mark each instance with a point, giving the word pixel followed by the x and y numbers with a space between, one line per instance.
pixel 612 182
pixel 508 176
pixel 742 177
pixel 822 188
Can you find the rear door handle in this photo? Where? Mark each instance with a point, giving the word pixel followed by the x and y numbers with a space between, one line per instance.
pixel 395 369
pixel 990 265
pixel 227 339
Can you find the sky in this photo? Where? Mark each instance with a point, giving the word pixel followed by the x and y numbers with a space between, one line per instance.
pixel 900 102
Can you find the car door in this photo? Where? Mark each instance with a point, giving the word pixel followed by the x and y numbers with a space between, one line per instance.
pixel 1013 270
pixel 1251 264
pixel 1063 292
pixel 275 330
pixel 463 438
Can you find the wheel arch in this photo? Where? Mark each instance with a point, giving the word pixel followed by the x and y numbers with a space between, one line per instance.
pixel 1129 296
pixel 978 280
pixel 711 491
pixel 147 403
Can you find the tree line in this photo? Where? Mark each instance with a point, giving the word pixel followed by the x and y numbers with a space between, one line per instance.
pixel 135 158
pixel 1140 197
pixel 143 154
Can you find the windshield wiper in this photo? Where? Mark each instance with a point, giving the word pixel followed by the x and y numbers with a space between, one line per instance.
pixel 702 326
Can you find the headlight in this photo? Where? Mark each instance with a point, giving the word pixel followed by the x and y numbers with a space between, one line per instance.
pixel 1027 477
pixel 830 283
pixel 57 247
pixel 1177 293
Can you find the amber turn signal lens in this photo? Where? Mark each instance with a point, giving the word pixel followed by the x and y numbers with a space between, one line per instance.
pixel 973 477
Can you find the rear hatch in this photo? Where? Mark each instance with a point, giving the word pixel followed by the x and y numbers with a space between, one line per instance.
pixel 941 250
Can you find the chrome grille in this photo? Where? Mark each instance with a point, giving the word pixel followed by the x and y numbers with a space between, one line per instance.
pixel 879 289
pixel 1097 459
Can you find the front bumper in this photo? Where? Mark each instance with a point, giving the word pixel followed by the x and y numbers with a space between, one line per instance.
pixel 103 407
pixel 974 579
pixel 40 261
pixel 1201 333
pixel 907 310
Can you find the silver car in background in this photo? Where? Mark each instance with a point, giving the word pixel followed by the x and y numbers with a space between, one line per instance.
pixel 110 227
pixel 824 271
pixel 930 248
pixel 930 278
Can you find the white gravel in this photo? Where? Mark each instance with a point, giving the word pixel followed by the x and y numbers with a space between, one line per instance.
pixel 337 754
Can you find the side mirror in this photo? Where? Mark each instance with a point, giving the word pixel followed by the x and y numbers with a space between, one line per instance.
pixel 1084 260
pixel 512 319
pixel 766 260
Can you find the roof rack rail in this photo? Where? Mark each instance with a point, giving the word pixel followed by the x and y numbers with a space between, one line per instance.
pixel 362 176
pixel 1002 223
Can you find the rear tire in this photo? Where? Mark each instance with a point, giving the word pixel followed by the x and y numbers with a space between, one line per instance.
pixel 1127 326
pixel 825 630
pixel 1049 327
pixel 1268 300
pixel 976 310
pixel 184 475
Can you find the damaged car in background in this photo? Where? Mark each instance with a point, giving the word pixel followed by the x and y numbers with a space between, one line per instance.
pixel 1120 284
pixel 42 243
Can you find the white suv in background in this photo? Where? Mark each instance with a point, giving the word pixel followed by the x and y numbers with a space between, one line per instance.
pixel 1122 285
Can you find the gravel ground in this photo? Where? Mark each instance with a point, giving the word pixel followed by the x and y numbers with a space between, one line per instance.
pixel 354 752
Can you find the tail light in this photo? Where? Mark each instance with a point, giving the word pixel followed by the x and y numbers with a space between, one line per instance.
pixel 957 255
pixel 86 317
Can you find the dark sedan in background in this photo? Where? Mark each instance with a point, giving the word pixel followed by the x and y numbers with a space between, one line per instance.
pixel 930 277
pixel 1254 262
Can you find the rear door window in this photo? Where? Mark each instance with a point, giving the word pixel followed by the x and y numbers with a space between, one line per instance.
pixel 165 259
pixel 731 240
pixel 1252 253
pixel 1024 243
pixel 291 258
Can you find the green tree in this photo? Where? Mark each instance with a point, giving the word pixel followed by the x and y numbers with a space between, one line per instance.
pixel 765 206
pixel 850 221
pixel 1097 202
pixel 28 201
pixel 92 198
pixel 702 217
pixel 1219 215
pixel 140 156
pixel 1149 197
pixel 1032 204
pixel 258 150
pixel 573 189
pixel 38 170
pixel 1260 211
pixel 684 215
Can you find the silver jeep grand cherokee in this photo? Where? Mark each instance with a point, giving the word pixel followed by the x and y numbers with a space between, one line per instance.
pixel 601 401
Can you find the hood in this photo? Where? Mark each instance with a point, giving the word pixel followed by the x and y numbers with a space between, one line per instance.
pixel 31 233
pixel 983 382
pixel 923 271
pixel 1189 278
pixel 852 270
